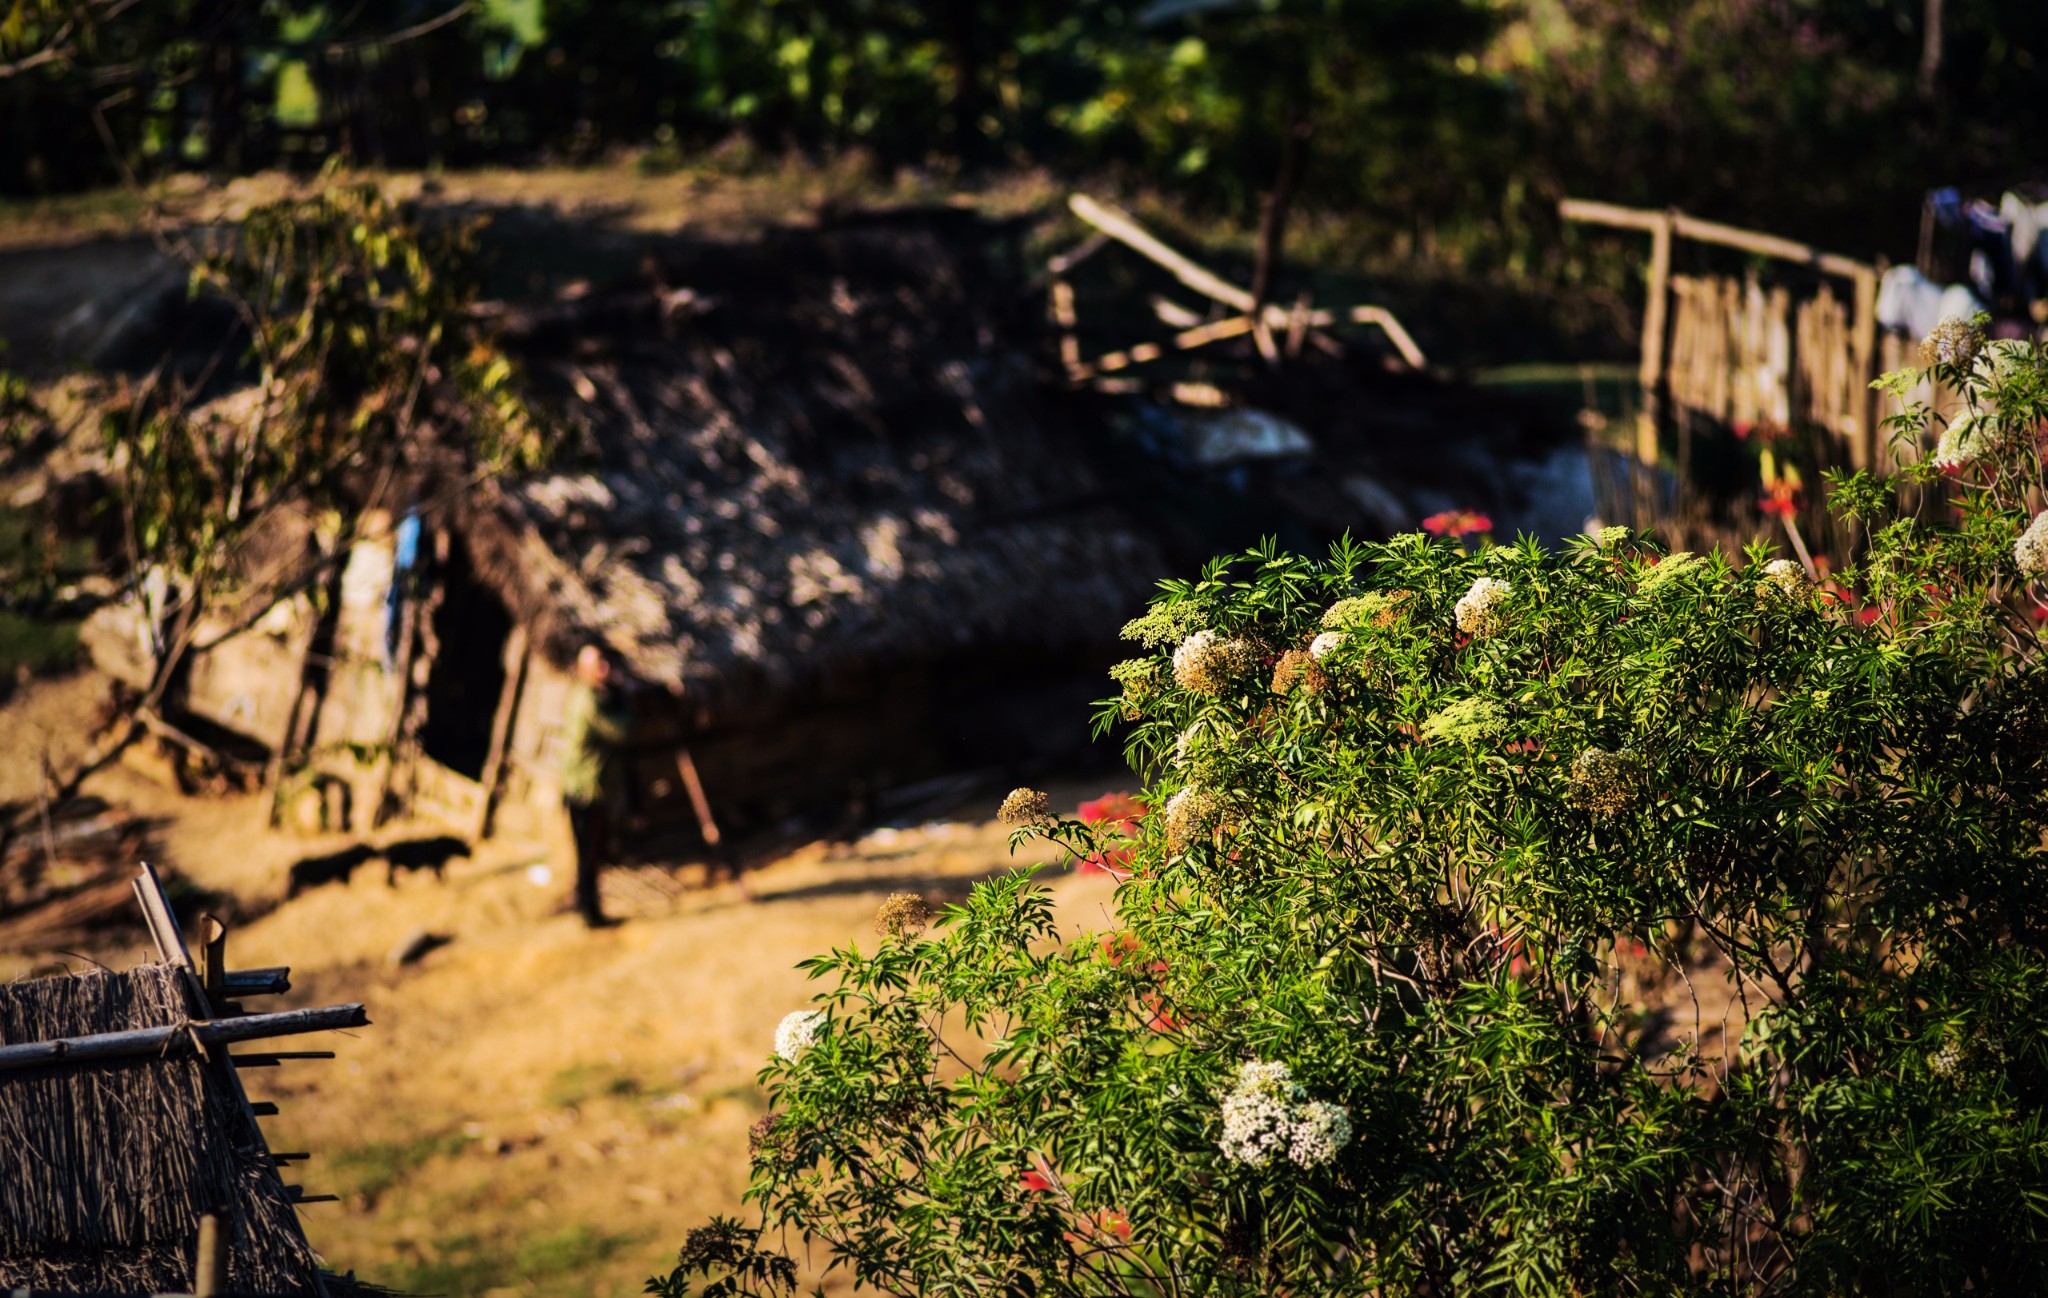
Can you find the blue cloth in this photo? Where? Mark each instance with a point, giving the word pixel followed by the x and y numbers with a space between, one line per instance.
pixel 405 557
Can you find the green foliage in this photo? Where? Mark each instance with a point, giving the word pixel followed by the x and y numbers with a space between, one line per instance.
pixel 1442 132
pixel 1470 890
pixel 364 358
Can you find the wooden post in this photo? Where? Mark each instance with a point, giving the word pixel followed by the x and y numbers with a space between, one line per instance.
pixel 686 767
pixel 1650 372
pixel 1867 445
pixel 501 727
pixel 211 1276
pixel 1063 315
pixel 213 958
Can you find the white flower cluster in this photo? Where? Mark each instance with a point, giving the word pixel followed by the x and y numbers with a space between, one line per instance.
pixel 1603 783
pixel 1609 537
pixel 2031 550
pixel 1955 341
pixel 1191 814
pixel 1466 721
pixel 1324 644
pixel 1479 612
pixel 1785 579
pixel 2005 358
pixel 1672 566
pixel 1206 663
pixel 1267 1115
pixel 1965 441
pixel 797 1032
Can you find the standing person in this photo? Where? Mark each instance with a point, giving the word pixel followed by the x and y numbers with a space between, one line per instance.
pixel 593 728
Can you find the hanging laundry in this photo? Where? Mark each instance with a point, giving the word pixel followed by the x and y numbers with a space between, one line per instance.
pixel 406 553
pixel 1957 301
pixel 1909 301
pixel 2027 223
pixel 1992 272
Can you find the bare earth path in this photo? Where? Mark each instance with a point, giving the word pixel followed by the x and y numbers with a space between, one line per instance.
pixel 537 1109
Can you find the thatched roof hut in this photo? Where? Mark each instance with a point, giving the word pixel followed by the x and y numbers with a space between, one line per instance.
pixel 823 506
pixel 123 1123
pixel 111 1166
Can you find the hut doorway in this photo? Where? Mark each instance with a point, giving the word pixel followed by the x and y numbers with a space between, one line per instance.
pixel 470 627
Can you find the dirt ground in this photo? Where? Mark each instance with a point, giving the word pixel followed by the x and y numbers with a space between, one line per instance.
pixel 536 1108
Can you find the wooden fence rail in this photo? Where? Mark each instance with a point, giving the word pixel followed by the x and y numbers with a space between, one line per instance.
pixel 1729 350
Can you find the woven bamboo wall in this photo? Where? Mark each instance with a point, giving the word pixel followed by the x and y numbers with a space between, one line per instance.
pixel 1743 355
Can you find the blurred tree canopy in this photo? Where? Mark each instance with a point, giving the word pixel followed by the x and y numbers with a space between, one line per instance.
pixel 1448 125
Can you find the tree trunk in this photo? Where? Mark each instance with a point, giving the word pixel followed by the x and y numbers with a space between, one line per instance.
pixel 1930 49
pixel 965 39
pixel 1274 210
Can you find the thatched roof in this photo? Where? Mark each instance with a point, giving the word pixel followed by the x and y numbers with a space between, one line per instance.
pixel 841 455
pixel 106 1168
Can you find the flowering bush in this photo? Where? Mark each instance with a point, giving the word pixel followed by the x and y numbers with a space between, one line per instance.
pixel 1681 933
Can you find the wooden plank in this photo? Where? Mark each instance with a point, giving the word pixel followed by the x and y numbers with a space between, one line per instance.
pixel 171 1038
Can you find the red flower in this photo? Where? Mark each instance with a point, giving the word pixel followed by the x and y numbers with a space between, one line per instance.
pixel 1457 523
pixel 1107 1226
pixel 1159 1018
pixel 1118 811
pixel 1112 809
pixel 1118 947
pixel 1035 1182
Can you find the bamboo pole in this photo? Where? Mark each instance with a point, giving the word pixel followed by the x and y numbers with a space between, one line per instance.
pixel 211 1272
pixel 171 1038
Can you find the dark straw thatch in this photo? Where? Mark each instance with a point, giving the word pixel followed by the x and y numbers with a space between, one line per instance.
pixel 105 1169
pixel 844 461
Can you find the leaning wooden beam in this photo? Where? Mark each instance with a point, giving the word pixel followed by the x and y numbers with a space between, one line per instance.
pixel 173 1037
pixel 1379 315
pixel 1119 225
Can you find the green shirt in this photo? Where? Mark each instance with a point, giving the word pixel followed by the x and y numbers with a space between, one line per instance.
pixel 592 729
